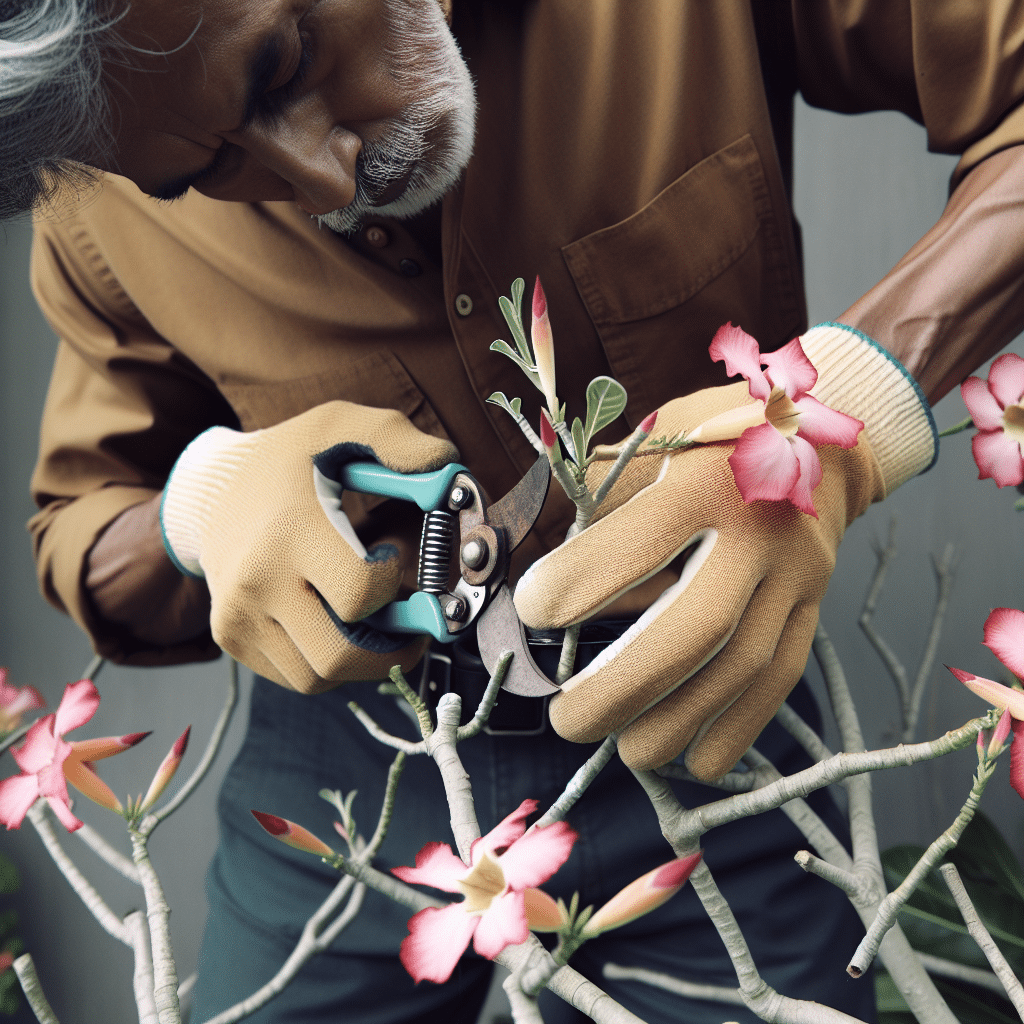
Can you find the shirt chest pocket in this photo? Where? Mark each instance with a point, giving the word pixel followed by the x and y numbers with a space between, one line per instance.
pixel 706 250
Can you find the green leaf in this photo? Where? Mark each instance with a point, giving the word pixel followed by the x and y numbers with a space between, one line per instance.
pixel 512 311
pixel 579 442
pixel 498 398
pixel 9 880
pixel 517 404
pixel 606 398
pixel 506 350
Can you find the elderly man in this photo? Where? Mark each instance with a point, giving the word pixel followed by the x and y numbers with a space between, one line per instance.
pixel 320 283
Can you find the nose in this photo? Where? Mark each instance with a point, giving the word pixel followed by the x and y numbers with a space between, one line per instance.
pixel 318 161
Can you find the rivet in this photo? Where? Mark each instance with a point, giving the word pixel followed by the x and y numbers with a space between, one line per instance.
pixel 463 304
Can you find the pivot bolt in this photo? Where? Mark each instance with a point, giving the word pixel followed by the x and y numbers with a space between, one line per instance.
pixel 475 553
pixel 454 609
pixel 460 496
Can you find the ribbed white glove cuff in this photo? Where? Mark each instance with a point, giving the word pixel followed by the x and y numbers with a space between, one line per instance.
pixel 858 377
pixel 204 470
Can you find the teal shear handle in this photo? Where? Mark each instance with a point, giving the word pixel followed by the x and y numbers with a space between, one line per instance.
pixel 422 612
pixel 428 490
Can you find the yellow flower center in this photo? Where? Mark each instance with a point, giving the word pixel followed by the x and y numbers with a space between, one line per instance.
pixel 482 883
pixel 782 413
pixel 1013 422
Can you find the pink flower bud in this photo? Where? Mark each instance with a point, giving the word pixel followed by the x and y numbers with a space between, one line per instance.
pixel 543 914
pixel 292 835
pixel 6 959
pixel 340 829
pixel 997 694
pixel 547 432
pixel 83 777
pixel 166 771
pixel 999 734
pixel 105 746
pixel 648 424
pixel 642 895
pixel 543 347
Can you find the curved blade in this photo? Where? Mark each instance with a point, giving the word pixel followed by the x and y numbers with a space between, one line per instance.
pixel 498 630
pixel 518 510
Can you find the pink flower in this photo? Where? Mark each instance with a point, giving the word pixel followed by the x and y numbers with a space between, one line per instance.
pixel 14 702
pixel 643 895
pixel 293 835
pixel 48 761
pixel 997 408
pixel 1004 636
pixel 774 458
pixel 506 865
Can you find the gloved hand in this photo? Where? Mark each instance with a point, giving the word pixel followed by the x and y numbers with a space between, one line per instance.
pixel 289 579
pixel 708 664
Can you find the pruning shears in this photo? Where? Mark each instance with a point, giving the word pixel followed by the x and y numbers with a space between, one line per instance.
pixel 487 536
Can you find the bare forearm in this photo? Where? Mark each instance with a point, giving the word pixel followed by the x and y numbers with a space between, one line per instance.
pixel 134 584
pixel 957 297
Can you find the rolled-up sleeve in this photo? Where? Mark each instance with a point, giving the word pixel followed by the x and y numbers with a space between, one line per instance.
pixel 955 66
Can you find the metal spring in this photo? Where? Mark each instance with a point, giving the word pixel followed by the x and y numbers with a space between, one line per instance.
pixel 436 551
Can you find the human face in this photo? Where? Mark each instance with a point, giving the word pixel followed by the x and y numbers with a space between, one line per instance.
pixel 347 107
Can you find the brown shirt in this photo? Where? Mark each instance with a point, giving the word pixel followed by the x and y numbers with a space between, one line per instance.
pixel 633 154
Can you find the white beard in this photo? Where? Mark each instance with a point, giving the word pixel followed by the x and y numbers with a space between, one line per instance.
pixel 433 135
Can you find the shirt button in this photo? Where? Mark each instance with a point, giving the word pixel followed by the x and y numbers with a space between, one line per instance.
pixel 463 304
pixel 410 268
pixel 377 236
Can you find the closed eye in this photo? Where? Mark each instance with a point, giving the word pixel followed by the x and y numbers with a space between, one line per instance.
pixel 271 105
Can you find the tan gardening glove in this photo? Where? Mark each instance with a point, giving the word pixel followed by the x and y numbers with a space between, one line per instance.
pixel 258 515
pixel 708 664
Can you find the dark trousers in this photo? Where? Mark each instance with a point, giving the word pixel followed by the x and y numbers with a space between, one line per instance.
pixel 801 930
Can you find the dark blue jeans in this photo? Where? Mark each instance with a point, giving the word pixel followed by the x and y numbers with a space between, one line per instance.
pixel 801 930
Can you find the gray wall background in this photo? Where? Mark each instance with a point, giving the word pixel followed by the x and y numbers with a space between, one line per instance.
pixel 865 191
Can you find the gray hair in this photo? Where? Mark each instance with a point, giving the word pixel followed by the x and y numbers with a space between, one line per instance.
pixel 53 104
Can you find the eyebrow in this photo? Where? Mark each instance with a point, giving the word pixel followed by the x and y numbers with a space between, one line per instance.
pixel 263 69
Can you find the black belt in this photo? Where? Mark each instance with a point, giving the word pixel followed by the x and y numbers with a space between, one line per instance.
pixel 457 668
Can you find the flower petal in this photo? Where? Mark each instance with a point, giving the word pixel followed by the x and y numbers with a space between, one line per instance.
pixel 39 747
pixel 17 795
pixel 1004 637
pixel 506 832
pixel 764 464
pixel 537 856
pixel 436 866
pixel 1006 379
pixel 437 939
pixel 809 478
pixel 62 808
pixel 995 693
pixel 502 924
pixel 821 425
pixel 741 355
pixel 790 369
pixel 998 457
pixel 1017 757
pixel 986 412
pixel 77 706
pixel 543 914
pixel 17 701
